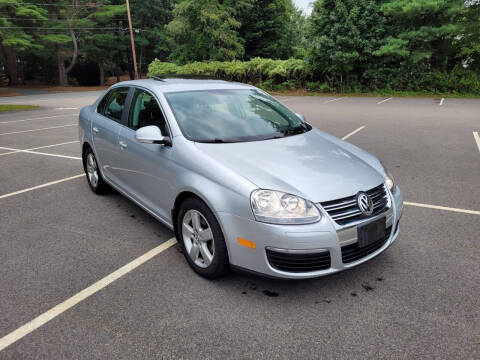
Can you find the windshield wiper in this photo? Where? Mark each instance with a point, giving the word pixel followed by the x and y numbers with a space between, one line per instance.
pixel 215 141
pixel 298 130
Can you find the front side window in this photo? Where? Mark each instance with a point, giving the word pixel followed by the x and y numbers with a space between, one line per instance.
pixel 145 111
pixel 233 116
pixel 114 103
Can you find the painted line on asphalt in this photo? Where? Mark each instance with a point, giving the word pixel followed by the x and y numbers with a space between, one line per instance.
pixel 326 102
pixel 41 153
pixel 477 139
pixel 39 147
pixel 353 132
pixel 41 186
pixel 441 102
pixel 24 101
pixel 47 128
pixel 37 118
pixel 67 108
pixel 436 207
pixel 385 100
pixel 82 295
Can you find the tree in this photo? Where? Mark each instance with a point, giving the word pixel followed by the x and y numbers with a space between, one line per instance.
pixel 469 40
pixel 102 46
pixel 344 36
pixel 421 33
pixel 267 27
pixel 151 19
pixel 204 30
pixel 16 18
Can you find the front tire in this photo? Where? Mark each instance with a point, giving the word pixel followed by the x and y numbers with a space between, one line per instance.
pixel 94 178
pixel 202 239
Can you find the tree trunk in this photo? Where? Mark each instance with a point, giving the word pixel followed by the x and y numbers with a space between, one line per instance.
pixel 62 70
pixel 21 75
pixel 11 64
pixel 102 73
pixel 117 73
pixel 62 76
pixel 75 52
pixel 140 66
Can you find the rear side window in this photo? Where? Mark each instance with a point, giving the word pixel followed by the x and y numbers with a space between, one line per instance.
pixel 113 104
pixel 145 111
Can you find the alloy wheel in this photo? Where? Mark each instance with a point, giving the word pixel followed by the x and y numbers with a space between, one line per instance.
pixel 92 170
pixel 198 238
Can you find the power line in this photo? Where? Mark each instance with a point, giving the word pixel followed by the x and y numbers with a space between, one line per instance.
pixel 63 5
pixel 51 28
pixel 54 20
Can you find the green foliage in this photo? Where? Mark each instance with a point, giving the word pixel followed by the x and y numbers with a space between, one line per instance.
pixel 469 41
pixel 267 27
pixel 344 36
pixel 257 70
pixel 204 30
pixel 292 74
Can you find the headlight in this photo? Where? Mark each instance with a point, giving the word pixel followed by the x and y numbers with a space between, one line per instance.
pixel 276 207
pixel 389 181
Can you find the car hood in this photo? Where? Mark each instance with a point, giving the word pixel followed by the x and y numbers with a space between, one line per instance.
pixel 312 165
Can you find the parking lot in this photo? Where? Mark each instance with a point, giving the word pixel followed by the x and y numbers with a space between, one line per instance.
pixel 100 278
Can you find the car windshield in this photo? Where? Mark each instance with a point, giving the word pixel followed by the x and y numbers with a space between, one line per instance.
pixel 219 116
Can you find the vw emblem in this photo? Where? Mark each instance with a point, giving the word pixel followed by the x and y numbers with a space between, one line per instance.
pixel 365 203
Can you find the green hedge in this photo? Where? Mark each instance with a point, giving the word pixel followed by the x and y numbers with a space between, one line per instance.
pixel 297 74
pixel 255 71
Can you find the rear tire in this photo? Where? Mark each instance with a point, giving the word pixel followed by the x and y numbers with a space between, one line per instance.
pixel 201 237
pixel 94 178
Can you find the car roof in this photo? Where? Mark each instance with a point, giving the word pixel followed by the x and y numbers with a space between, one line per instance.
pixel 187 84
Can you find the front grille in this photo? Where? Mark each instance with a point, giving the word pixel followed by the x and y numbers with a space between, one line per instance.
pixel 346 210
pixel 352 252
pixel 295 262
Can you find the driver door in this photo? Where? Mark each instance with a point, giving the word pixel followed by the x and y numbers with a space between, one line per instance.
pixel 146 168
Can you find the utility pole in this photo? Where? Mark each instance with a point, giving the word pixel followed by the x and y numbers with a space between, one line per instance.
pixel 134 56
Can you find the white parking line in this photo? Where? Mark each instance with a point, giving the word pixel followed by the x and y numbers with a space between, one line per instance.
pixel 441 102
pixel 40 186
pixel 326 102
pixel 70 108
pixel 47 128
pixel 477 139
pixel 37 118
pixel 465 211
pixel 41 153
pixel 23 101
pixel 353 132
pixel 385 100
pixel 82 295
pixel 39 147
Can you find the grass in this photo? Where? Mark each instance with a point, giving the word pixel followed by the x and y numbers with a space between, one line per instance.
pixel 424 94
pixel 8 107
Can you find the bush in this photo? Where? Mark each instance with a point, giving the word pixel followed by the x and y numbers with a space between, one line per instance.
pixel 292 74
pixel 255 71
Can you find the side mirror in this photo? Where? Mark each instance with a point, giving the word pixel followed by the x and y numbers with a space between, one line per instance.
pixel 302 117
pixel 152 135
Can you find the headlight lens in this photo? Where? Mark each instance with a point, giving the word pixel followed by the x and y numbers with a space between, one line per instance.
pixel 389 181
pixel 277 207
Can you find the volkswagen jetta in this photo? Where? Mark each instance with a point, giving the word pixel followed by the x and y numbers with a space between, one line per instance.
pixel 242 180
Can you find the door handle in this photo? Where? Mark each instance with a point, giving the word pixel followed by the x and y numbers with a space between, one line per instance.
pixel 123 145
pixel 95 130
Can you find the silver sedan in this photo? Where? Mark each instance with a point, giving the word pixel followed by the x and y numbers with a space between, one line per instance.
pixel 243 181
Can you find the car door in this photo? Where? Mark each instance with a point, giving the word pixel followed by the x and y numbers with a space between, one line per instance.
pixel 106 127
pixel 146 169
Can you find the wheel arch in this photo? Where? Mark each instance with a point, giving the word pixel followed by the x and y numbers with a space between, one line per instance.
pixel 190 193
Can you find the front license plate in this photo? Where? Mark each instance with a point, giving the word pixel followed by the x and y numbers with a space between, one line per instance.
pixel 371 232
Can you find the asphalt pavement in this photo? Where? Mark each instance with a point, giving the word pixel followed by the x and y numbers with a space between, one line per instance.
pixel 419 299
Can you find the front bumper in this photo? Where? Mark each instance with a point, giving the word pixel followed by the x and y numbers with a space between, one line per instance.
pixel 326 235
